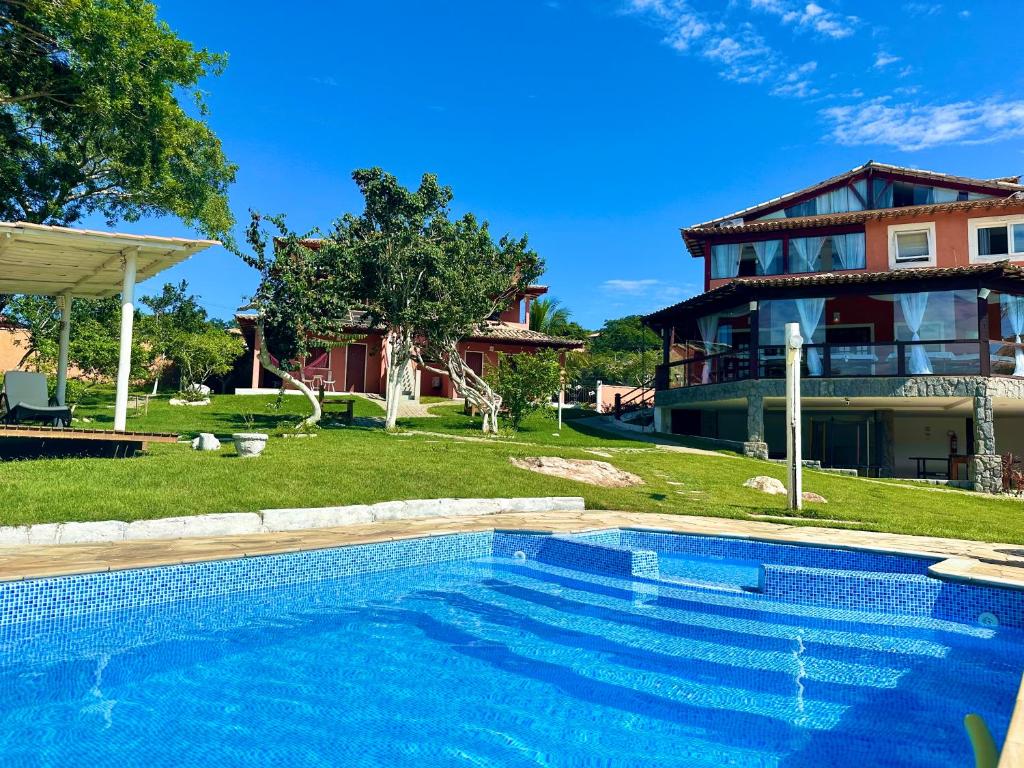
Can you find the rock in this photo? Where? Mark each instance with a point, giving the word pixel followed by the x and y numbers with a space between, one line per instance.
pixel 585 471
pixel 201 389
pixel 766 484
pixel 179 401
pixel 816 498
pixel 206 442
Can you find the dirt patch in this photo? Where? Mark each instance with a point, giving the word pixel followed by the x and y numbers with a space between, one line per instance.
pixel 594 472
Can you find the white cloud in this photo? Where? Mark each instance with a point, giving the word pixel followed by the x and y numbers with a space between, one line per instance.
pixel 883 59
pixel 810 16
pixel 796 83
pixel 740 52
pixel 633 287
pixel 965 14
pixel 912 127
pixel 922 9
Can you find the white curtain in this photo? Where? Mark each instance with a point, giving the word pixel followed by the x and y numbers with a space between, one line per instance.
pixel 708 327
pixel 1012 308
pixel 805 254
pixel 768 252
pixel 725 260
pixel 848 251
pixel 940 195
pixel 914 306
pixel 810 311
pixel 839 200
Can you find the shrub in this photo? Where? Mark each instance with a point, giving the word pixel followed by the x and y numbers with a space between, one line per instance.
pixel 525 383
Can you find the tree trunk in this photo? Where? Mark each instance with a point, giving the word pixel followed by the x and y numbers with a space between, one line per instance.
pixel 267 363
pixel 467 384
pixel 399 356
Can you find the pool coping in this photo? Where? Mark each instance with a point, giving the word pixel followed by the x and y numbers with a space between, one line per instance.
pixel 977 563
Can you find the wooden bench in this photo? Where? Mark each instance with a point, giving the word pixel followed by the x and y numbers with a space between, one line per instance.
pixel 339 409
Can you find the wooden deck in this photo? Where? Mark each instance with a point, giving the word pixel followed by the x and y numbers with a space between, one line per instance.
pixel 31 441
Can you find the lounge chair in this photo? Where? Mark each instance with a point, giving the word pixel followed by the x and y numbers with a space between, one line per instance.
pixel 25 397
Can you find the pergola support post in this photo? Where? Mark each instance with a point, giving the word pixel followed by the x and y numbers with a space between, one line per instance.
pixel 62 351
pixel 124 360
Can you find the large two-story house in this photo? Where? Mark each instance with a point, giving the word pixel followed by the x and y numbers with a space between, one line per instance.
pixel 908 287
pixel 360 365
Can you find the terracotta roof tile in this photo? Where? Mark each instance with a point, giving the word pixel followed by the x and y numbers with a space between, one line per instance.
pixel 748 289
pixel 502 332
pixel 693 236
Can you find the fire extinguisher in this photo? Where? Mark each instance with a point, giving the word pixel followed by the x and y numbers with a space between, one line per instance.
pixel 953 445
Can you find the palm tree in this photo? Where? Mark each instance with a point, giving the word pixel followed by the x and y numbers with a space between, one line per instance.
pixel 548 316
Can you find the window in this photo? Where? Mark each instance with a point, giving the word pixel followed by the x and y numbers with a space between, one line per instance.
pixel 994 239
pixel 911 245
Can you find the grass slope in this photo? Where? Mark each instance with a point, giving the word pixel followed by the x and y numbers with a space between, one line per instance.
pixel 358 465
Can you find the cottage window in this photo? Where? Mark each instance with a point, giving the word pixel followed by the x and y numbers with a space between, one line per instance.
pixel 995 239
pixel 911 245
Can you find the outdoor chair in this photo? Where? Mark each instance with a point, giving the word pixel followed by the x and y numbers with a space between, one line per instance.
pixel 25 397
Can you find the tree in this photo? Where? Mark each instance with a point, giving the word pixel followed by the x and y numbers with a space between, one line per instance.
pixel 526 382
pixel 625 334
pixel 550 317
pixel 173 313
pixel 475 279
pixel 95 342
pixel 208 352
pixel 302 298
pixel 425 280
pixel 394 251
pixel 91 120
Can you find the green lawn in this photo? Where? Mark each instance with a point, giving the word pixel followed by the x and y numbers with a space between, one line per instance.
pixel 348 465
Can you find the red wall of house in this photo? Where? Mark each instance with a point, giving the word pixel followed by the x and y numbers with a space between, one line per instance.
pixel 433 385
pixel 951 233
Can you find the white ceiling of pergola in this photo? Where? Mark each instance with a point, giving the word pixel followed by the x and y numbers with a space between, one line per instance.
pixel 49 261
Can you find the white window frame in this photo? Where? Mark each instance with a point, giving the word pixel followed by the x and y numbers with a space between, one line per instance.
pixel 984 222
pixel 924 226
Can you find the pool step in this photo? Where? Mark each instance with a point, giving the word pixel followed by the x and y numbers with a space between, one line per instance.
pixel 573 553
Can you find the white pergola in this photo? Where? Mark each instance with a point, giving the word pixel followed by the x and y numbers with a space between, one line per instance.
pixel 67 263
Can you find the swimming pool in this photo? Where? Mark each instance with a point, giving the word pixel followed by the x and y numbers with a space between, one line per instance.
pixel 612 648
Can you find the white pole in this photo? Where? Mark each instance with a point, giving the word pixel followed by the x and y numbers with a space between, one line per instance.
pixel 62 352
pixel 561 402
pixel 794 452
pixel 124 359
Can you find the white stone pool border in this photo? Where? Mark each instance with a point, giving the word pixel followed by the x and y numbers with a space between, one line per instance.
pixel 272 520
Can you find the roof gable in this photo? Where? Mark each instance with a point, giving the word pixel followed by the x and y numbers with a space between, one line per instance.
pixel 1003 185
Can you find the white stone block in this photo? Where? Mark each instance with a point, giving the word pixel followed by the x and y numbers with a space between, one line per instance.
pixel 322 517
pixel 206 442
pixel 84 533
pixel 43 533
pixel 162 528
pixel 13 535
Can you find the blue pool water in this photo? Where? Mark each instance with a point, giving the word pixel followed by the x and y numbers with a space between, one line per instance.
pixel 495 661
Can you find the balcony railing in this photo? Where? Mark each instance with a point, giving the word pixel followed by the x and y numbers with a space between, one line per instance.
pixel 948 357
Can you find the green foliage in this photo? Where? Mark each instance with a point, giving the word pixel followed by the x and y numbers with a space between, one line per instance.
pixel 550 317
pixel 624 352
pixel 625 334
pixel 205 353
pixel 178 333
pixel 305 288
pixel 94 346
pixel 526 383
pixel 91 122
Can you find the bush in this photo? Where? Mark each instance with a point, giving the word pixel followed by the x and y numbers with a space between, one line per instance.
pixel 525 383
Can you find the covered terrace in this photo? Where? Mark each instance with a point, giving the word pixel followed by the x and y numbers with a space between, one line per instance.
pixel 66 263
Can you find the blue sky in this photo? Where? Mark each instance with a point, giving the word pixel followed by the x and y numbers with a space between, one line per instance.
pixel 598 128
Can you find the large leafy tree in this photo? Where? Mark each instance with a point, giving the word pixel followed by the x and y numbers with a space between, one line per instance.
pixel 425 279
pixel 395 249
pixel 475 278
pixel 92 119
pixel 173 312
pixel 303 298
pixel 550 317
